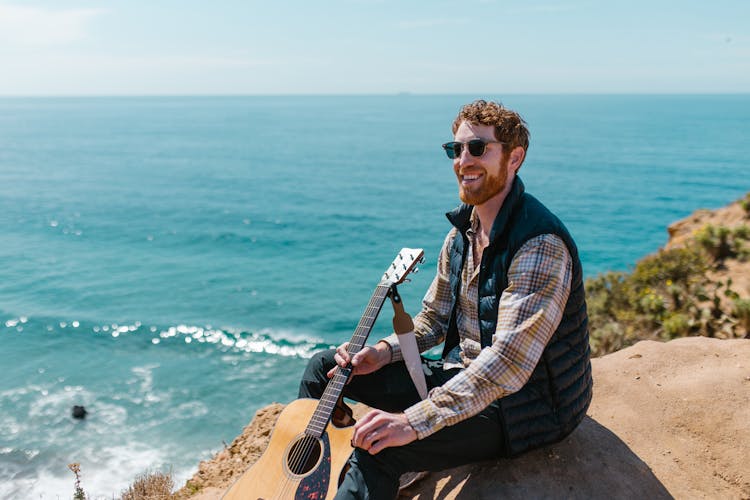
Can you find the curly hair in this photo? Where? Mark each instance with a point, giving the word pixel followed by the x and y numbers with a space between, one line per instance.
pixel 510 128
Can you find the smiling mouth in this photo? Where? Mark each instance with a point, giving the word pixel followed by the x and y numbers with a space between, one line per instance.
pixel 468 179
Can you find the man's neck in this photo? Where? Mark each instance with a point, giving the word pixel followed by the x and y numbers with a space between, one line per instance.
pixel 487 211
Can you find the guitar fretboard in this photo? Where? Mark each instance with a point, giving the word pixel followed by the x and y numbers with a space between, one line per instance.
pixel 324 411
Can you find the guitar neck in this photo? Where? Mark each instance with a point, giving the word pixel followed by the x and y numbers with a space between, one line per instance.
pixel 327 403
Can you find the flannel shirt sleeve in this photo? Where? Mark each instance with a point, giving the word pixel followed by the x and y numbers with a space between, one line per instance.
pixel 530 309
pixel 431 324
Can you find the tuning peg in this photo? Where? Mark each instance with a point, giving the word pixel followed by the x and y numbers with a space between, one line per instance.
pixel 416 270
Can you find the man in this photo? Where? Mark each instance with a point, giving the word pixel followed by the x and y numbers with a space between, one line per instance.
pixel 507 301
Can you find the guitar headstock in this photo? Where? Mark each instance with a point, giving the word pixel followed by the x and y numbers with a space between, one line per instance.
pixel 404 263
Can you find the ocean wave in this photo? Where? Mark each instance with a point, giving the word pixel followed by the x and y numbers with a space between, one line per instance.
pixel 267 341
pixel 277 342
pixel 157 397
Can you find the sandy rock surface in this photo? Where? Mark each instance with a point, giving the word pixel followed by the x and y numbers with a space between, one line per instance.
pixel 667 420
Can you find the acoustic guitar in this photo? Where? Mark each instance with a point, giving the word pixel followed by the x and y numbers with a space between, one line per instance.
pixel 306 457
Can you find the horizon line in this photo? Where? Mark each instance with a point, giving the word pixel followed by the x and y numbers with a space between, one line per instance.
pixel 364 94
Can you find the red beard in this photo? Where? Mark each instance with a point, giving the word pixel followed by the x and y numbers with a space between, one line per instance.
pixel 489 186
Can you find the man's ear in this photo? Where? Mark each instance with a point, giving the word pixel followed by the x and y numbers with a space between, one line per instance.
pixel 516 158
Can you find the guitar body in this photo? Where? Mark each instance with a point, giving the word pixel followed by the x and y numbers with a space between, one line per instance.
pixel 296 466
pixel 306 456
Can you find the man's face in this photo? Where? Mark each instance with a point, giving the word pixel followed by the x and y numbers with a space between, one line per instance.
pixel 479 179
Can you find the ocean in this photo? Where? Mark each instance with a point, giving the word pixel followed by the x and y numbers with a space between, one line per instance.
pixel 170 263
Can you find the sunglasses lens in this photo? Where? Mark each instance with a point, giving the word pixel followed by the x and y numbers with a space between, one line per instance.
pixel 476 147
pixel 452 149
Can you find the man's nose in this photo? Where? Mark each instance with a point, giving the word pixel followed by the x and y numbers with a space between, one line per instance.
pixel 465 158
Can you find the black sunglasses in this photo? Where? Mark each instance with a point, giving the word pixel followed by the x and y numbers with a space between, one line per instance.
pixel 476 147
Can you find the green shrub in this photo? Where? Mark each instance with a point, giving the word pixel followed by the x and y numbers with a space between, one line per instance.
pixel 741 311
pixel 739 247
pixel 652 304
pixel 676 325
pixel 609 337
pixel 678 265
pixel 742 232
pixel 745 204
pixel 715 240
pixel 605 294
pixel 667 295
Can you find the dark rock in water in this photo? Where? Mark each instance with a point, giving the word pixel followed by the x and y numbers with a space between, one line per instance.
pixel 79 412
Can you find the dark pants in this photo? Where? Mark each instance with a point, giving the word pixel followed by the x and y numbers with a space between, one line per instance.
pixel 391 389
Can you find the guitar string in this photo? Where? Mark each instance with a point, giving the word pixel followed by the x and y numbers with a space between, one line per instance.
pixel 298 460
pixel 303 452
pixel 311 441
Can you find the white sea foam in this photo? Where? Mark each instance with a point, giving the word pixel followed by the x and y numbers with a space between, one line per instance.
pixel 268 341
pixel 35 465
pixel 105 473
pixel 108 444
pixel 279 342
pixel 140 417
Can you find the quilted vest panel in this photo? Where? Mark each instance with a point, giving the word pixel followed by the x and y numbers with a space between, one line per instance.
pixel 555 399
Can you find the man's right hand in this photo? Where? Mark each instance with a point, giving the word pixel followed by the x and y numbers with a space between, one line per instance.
pixel 367 360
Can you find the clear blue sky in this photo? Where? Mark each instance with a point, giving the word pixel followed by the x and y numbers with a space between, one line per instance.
pixel 178 47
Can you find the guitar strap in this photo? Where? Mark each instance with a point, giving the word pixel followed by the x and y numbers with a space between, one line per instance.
pixel 343 416
pixel 403 326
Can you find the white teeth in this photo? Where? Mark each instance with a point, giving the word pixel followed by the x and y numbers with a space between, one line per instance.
pixel 471 177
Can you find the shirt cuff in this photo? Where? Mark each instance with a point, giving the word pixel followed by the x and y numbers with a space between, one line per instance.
pixel 424 417
pixel 392 340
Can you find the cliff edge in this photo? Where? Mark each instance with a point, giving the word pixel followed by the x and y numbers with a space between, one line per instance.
pixel 667 420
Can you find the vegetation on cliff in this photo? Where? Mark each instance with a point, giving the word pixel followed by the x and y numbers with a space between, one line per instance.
pixel 685 289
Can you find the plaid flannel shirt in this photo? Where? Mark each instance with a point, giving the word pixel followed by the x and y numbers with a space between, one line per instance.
pixel 530 309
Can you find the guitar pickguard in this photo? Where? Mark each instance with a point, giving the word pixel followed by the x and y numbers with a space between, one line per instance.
pixel 315 485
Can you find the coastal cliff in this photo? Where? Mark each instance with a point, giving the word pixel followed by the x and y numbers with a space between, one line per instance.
pixel 668 419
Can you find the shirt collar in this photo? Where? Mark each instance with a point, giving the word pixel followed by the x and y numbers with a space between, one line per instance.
pixel 473 224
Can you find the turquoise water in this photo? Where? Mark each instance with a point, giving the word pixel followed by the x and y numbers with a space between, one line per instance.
pixel 170 263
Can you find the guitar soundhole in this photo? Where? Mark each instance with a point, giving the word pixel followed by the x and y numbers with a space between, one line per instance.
pixel 304 455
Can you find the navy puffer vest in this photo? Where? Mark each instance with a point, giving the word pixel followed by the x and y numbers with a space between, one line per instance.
pixel 554 400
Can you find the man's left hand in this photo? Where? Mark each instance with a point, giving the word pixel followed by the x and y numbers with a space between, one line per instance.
pixel 379 429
